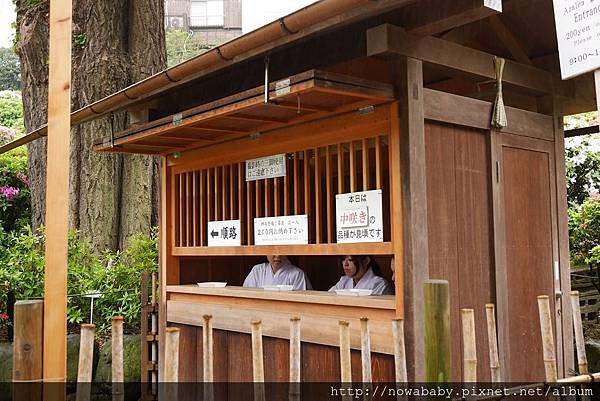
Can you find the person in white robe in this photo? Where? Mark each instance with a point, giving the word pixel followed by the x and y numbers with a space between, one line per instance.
pixel 361 272
pixel 277 271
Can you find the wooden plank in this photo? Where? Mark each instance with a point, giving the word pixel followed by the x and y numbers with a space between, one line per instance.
pixel 195 208
pixel 276 196
pixel 218 193
pixel 202 212
pixel 210 195
pixel 188 205
pixel 57 194
pixel 307 186
pixel 365 164
pixel 249 213
pixel 224 193
pixel 340 168
pixel 296 184
pixel 378 162
pixel 181 207
pixel 389 39
pixel 268 197
pixel 329 195
pixel 242 196
pixel 379 248
pixel 258 198
pixel 352 170
pixel 512 43
pixel 317 186
pixel 232 190
pixel 286 188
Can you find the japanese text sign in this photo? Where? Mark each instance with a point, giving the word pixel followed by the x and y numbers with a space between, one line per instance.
pixel 224 233
pixel 359 217
pixel 282 230
pixel 265 167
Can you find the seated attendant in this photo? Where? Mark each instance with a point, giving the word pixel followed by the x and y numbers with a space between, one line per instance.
pixel 277 271
pixel 362 272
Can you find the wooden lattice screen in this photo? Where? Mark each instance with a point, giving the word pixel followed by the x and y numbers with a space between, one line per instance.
pixel 309 187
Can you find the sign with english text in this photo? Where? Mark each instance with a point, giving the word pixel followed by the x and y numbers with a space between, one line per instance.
pixel 359 217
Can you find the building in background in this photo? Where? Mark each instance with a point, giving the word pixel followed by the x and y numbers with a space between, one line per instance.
pixel 211 21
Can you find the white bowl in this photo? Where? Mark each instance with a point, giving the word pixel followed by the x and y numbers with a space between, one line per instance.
pixel 279 287
pixel 354 292
pixel 212 284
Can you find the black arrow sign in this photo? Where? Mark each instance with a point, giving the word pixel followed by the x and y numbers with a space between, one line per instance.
pixel 214 233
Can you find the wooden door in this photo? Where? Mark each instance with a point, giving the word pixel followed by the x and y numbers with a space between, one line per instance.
pixel 526 249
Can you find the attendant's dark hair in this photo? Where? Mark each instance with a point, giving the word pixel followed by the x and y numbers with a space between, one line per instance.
pixel 372 263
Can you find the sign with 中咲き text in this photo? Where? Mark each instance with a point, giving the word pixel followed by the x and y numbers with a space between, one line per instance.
pixel 224 233
pixel 578 33
pixel 359 217
pixel 282 230
pixel 265 167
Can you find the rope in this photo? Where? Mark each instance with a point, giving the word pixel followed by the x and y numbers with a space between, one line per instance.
pixel 499 113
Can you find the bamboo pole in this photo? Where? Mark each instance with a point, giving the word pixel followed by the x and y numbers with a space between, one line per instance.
pixel 170 379
pixel 295 359
pixel 469 346
pixel 117 358
pixel 547 338
pixel 578 327
pixel 258 370
pixel 207 354
pixel 490 313
pixel 437 331
pixel 399 351
pixel 365 350
pixel 86 362
pixel 345 364
pixel 27 350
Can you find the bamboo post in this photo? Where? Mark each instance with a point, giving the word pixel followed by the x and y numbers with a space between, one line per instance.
pixel 117 358
pixel 27 350
pixel 295 359
pixel 86 362
pixel 469 346
pixel 171 373
pixel 258 370
pixel 345 364
pixel 399 351
pixel 578 327
pixel 365 350
pixel 437 331
pixel 207 354
pixel 547 338
pixel 490 313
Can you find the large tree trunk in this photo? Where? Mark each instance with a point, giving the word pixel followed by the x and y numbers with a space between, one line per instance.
pixel 116 43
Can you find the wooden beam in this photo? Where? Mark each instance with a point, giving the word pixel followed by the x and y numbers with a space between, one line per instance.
pixel 512 43
pixel 593 129
pixel 57 197
pixel 389 40
pixel 430 17
pixel 255 118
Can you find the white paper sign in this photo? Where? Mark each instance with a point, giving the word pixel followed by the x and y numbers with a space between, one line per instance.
pixel 282 230
pixel 265 167
pixel 493 4
pixel 224 233
pixel 578 34
pixel 359 217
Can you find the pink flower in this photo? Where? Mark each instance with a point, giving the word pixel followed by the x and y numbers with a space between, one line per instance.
pixel 24 179
pixel 3 316
pixel 9 192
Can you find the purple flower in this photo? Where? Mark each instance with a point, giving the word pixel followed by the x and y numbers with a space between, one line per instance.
pixel 9 192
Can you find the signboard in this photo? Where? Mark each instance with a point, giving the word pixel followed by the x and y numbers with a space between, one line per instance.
pixel 282 230
pixel 265 167
pixel 493 4
pixel 224 233
pixel 359 217
pixel 578 34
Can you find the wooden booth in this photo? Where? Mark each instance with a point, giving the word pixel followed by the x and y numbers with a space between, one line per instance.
pixel 393 97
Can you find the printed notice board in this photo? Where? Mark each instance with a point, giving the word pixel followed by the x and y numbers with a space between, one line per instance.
pixel 282 230
pixel 359 217
pixel 578 35
pixel 265 167
pixel 224 233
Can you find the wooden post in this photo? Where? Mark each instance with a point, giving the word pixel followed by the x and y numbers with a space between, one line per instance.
pixel 258 371
pixel 345 364
pixel 437 331
pixel 57 197
pixel 207 354
pixel 490 313
pixel 117 358
pixel 86 362
pixel 547 338
pixel 399 350
pixel 171 365
pixel 469 347
pixel 578 327
pixel 295 359
pixel 27 350
pixel 365 350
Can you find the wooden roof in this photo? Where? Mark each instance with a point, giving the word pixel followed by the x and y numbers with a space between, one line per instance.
pixel 300 98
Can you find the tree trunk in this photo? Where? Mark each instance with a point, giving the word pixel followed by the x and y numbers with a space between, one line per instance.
pixel 115 43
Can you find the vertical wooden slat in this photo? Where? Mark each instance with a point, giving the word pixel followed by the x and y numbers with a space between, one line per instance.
pixel 249 214
pixel 268 197
pixel 296 185
pixel 330 224
pixel 174 232
pixel 276 196
pixel 340 168
pixel 241 197
pixel 195 208
pixel 378 162
pixel 232 208
pixel 257 198
pixel 317 196
pixel 182 239
pixel 187 209
pixel 365 164
pixel 224 193
pixel 352 170
pixel 209 195
pixel 286 189
pixel 217 193
pixel 307 181
pixel 202 193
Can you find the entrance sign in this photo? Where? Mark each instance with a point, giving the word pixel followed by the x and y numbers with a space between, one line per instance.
pixel 578 34
pixel 359 217
pixel 224 233
pixel 282 230
pixel 265 167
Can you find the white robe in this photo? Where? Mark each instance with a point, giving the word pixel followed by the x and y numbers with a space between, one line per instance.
pixel 288 274
pixel 369 281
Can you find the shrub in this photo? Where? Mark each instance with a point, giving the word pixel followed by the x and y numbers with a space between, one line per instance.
pixel 584 232
pixel 15 195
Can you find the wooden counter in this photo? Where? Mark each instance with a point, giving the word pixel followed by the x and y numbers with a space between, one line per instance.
pixel 233 308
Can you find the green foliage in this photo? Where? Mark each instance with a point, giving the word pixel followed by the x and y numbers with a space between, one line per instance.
pixel 15 195
pixel 80 39
pixel 584 232
pixel 10 70
pixel 11 111
pixel 583 172
pixel 116 276
pixel 183 45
